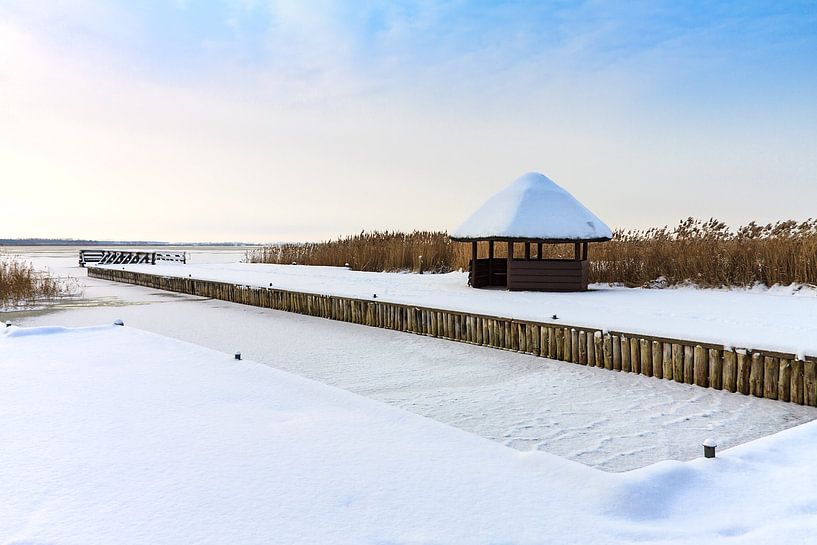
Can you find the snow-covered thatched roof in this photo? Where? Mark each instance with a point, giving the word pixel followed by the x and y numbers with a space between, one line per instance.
pixel 535 208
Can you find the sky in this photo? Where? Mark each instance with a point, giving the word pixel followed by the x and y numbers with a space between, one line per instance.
pixel 251 120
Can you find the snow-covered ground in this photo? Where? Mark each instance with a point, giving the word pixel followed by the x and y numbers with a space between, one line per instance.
pixel 782 319
pixel 115 435
pixel 612 421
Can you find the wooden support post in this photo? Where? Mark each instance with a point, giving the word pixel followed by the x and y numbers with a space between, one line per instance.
pixel 715 369
pixel 598 347
pixel 810 382
pixel 490 262
pixel 797 382
pixel 535 337
pixel 771 377
pixel 625 354
pixel 473 272
pixel 666 357
pixel 689 364
pixel 553 341
pixel 616 341
pixel 567 352
pixel 583 347
pixel 657 364
pixel 527 251
pixel 607 351
pixel 730 371
pixel 538 250
pixel 509 267
pixel 635 360
pixel 577 251
pixel 646 358
pixel 700 367
pixel 744 372
pixel 784 386
pixel 756 375
pixel 584 250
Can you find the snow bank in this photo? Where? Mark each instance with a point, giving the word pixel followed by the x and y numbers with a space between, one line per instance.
pixel 779 319
pixel 533 206
pixel 113 435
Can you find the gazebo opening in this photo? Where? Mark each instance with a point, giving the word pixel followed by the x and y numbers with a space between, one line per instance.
pixel 532 212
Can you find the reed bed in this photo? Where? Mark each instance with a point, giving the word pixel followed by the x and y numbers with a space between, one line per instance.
pixel 419 251
pixel 705 253
pixel 21 284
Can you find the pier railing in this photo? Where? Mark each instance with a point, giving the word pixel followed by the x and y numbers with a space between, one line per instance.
pixel 119 257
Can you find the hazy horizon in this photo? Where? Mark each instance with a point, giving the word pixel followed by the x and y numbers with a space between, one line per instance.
pixel 279 120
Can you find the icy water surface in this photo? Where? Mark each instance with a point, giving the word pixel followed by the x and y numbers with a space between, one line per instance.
pixel 613 421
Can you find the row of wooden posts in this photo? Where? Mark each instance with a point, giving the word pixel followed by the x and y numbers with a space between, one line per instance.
pixel 761 373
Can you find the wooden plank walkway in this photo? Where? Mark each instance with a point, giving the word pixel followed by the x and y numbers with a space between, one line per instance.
pixel 119 257
pixel 745 370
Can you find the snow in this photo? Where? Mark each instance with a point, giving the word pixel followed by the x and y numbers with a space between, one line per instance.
pixel 115 435
pixel 520 401
pixel 784 320
pixel 533 206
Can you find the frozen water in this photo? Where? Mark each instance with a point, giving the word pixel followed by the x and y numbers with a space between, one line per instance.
pixel 612 421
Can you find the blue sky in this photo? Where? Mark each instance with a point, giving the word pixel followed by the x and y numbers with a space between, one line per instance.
pixel 321 118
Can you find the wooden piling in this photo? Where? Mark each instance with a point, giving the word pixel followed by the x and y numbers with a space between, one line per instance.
pixel 730 371
pixel 598 348
pixel 567 339
pixel 635 361
pixel 582 347
pixel 797 381
pixel 625 354
pixel 756 375
pixel 646 357
pixel 784 384
pixel 689 364
pixel 771 377
pixel 810 382
pixel 666 348
pixel 700 366
pixel 616 341
pixel 715 371
pixel 678 362
pixel 657 360
pixel 607 351
pixel 744 372
pixel 762 373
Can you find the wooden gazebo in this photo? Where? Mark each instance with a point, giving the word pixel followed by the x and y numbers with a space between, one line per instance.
pixel 533 210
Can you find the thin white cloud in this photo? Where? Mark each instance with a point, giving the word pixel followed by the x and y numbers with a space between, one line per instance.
pixel 322 138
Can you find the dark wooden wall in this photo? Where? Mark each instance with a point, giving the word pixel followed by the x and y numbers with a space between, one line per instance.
pixel 489 272
pixel 547 275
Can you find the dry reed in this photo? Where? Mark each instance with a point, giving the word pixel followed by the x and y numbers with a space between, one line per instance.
pixel 21 284
pixel 706 253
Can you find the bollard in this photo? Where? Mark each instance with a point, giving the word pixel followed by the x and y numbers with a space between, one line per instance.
pixel 709 448
pixel 118 322
pixel 238 355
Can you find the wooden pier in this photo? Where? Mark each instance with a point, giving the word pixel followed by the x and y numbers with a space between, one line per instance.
pixel 749 371
pixel 130 257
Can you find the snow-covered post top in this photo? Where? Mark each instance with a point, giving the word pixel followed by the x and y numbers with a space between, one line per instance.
pixel 709 447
